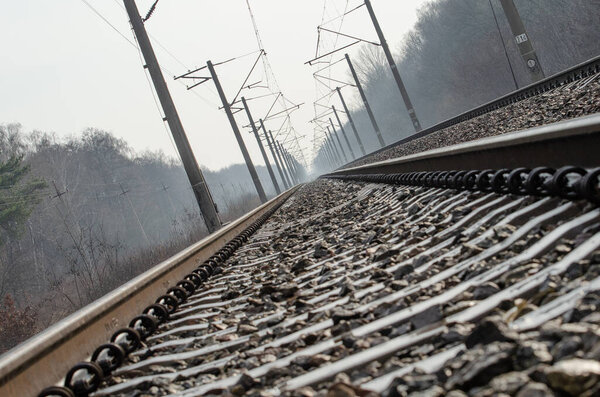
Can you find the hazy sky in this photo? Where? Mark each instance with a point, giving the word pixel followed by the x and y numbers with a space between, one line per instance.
pixel 63 68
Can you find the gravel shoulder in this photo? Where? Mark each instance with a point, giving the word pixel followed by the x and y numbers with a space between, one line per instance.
pixel 568 102
pixel 354 289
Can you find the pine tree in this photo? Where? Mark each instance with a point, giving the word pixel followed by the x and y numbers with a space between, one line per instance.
pixel 18 196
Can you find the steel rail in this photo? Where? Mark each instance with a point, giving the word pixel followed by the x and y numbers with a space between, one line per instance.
pixel 575 73
pixel 574 141
pixel 44 359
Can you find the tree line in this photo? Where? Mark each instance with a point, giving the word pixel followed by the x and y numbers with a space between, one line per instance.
pixel 453 60
pixel 80 216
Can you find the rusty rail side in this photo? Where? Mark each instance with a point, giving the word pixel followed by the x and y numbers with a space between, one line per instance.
pixel 44 359
pixel 567 142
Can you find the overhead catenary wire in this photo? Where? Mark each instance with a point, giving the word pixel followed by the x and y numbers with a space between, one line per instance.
pixel 134 45
pixel 343 15
pixel 319 84
pixel 270 75
pixel 158 107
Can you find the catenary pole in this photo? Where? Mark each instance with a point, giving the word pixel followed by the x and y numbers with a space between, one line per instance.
pixel 365 102
pixel 294 165
pixel 510 67
pixel 326 155
pixel 343 132
pixel 390 59
pixel 286 157
pixel 238 135
pixel 523 40
pixel 331 160
pixel 337 137
pixel 275 159
pixel 286 162
pixel 260 145
pixel 195 176
pixel 360 144
pixel 286 172
pixel 337 147
pixel 334 153
pixel 283 164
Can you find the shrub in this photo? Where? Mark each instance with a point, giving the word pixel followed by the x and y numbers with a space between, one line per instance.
pixel 16 325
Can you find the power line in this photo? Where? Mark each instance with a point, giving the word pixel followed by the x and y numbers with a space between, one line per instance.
pixel 136 46
pixel 133 44
pixel 155 40
pixel 91 7
pixel 158 108
pixel 269 73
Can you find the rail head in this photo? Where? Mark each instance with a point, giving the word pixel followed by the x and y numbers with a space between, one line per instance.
pixel 574 73
pixel 44 359
pixel 574 141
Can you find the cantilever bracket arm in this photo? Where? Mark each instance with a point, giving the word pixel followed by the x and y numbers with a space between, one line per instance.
pixel 255 85
pixel 330 93
pixel 351 37
pixel 188 75
pixel 260 54
pixel 288 110
pixel 323 106
pixel 189 72
pixel 318 117
pixel 330 65
pixel 331 52
pixel 253 98
pixel 273 105
pixel 334 80
pixel 202 81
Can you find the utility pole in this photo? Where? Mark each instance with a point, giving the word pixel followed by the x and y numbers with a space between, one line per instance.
pixel 124 193
pixel 260 145
pixel 365 102
pixel 343 154
pixel 173 211
pixel 360 144
pixel 523 41
pixel 58 192
pixel 343 132
pixel 199 186
pixel 238 135
pixel 390 59
pixel 338 138
pixel 164 189
pixel 281 174
pixel 283 164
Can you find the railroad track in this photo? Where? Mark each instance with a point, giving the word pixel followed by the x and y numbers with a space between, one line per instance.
pixel 475 269
pixel 571 83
